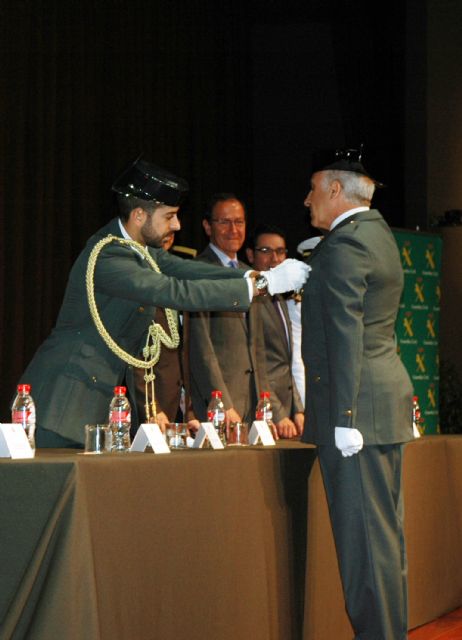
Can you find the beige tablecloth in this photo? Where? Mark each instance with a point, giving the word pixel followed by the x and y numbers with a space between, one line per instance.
pixel 204 544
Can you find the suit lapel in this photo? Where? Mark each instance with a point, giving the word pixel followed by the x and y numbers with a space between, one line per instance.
pixel 287 331
pixel 209 255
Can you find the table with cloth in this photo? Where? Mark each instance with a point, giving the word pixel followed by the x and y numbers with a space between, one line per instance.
pixel 232 544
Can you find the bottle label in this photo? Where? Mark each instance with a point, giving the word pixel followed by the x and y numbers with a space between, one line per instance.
pixel 119 415
pixel 263 414
pixel 20 416
pixel 216 416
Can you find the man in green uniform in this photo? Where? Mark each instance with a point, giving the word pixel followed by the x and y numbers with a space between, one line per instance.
pixel 359 395
pixel 74 371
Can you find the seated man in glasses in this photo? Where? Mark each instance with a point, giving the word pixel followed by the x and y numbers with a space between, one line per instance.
pixel 226 348
pixel 266 249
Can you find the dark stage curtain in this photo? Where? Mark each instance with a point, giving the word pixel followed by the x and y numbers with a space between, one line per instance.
pixel 369 53
pixel 85 87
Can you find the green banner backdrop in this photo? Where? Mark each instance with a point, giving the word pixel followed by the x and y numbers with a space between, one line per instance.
pixel 417 325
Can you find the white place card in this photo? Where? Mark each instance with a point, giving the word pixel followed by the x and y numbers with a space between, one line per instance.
pixel 207 432
pixel 14 442
pixel 149 434
pixel 261 431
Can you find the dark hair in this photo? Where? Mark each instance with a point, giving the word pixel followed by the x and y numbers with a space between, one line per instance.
pixel 220 197
pixel 128 203
pixel 262 228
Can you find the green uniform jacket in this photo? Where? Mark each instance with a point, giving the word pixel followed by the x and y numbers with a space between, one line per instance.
pixel 354 376
pixel 73 373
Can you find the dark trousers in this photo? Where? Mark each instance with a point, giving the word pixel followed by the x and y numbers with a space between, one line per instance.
pixel 44 438
pixel 366 511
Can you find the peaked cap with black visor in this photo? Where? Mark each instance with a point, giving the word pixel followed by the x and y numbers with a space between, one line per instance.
pixel 148 182
pixel 343 160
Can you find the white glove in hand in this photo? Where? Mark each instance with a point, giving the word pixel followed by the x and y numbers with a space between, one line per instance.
pixel 349 441
pixel 287 276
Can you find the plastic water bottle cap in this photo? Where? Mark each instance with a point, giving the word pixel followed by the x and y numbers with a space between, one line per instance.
pixel 120 391
pixel 23 388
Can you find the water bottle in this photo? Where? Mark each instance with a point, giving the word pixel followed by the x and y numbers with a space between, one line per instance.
pixel 216 414
pixel 417 421
pixel 264 411
pixel 120 420
pixel 23 412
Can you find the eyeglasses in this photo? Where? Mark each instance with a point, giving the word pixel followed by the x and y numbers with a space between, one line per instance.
pixel 280 251
pixel 226 222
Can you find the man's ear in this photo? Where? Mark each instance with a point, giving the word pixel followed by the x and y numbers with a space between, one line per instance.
pixel 207 227
pixel 250 255
pixel 335 189
pixel 137 217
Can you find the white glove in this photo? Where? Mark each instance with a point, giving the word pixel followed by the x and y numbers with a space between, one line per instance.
pixel 287 276
pixel 349 441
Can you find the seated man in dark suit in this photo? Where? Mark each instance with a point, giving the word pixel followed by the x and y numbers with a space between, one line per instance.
pixel 266 249
pixel 226 347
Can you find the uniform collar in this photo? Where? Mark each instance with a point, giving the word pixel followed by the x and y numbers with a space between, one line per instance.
pixel 347 214
pixel 127 236
pixel 221 255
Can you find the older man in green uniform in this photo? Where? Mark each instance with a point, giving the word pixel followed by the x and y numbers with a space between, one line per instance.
pixel 74 371
pixel 359 396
